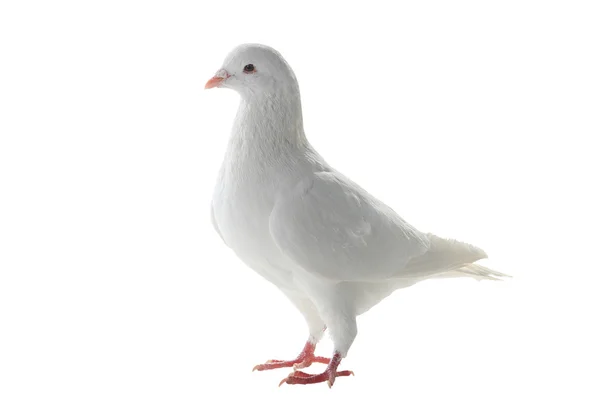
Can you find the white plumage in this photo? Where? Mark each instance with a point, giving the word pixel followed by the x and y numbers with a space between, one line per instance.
pixel 332 248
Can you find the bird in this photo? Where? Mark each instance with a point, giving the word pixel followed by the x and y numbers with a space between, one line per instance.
pixel 329 246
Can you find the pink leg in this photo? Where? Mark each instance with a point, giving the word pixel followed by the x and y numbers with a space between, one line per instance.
pixel 329 375
pixel 304 359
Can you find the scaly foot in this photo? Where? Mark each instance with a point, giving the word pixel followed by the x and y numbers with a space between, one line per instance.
pixel 304 359
pixel 329 375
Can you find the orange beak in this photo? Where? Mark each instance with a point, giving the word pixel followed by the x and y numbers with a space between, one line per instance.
pixel 213 82
pixel 216 80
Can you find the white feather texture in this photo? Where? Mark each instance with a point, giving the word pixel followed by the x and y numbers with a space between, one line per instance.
pixel 332 248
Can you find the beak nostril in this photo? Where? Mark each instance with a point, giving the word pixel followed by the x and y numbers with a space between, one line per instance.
pixel 222 74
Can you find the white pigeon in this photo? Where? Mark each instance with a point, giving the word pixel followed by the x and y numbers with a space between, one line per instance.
pixel 332 248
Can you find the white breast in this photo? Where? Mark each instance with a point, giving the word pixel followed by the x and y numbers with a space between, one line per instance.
pixel 242 202
pixel 264 157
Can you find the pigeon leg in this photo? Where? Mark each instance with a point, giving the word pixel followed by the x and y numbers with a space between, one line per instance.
pixel 304 359
pixel 329 375
pixel 339 317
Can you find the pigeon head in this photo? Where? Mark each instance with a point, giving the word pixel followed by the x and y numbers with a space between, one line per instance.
pixel 254 69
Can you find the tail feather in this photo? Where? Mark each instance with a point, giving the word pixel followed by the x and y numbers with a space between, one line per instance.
pixel 475 271
pixel 450 258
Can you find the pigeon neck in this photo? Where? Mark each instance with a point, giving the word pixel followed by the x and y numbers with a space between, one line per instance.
pixel 271 118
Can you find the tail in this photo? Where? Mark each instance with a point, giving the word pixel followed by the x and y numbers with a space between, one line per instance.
pixel 475 271
pixel 449 258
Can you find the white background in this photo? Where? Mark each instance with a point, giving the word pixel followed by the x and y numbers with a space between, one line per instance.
pixel 475 120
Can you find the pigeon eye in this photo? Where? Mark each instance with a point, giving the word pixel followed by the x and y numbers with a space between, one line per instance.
pixel 248 69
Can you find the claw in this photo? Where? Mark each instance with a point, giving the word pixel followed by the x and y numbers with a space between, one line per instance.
pixel 283 381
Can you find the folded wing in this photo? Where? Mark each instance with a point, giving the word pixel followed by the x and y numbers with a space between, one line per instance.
pixel 331 227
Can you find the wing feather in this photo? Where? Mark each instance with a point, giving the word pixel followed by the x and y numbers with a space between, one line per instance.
pixel 331 227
